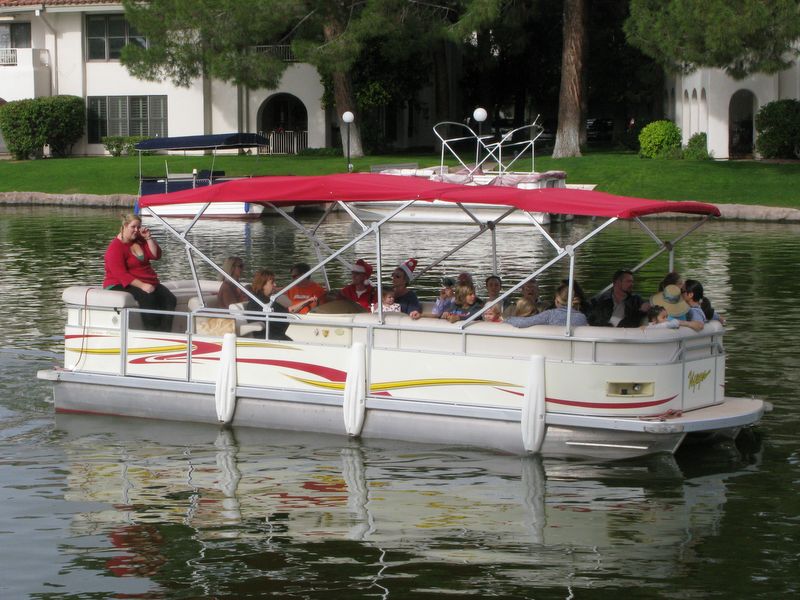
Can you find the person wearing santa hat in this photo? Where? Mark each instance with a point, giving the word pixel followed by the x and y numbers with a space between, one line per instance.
pixel 361 291
pixel 406 298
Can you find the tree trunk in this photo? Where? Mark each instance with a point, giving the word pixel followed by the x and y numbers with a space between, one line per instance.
pixel 571 92
pixel 343 98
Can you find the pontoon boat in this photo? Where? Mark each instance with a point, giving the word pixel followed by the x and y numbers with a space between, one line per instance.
pixel 598 392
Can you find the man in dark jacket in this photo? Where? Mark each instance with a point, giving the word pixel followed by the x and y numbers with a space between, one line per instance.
pixel 618 306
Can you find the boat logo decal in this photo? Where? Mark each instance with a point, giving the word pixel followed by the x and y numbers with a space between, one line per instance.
pixel 695 379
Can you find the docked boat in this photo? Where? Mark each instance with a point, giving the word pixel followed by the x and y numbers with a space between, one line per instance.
pixel 596 392
pixel 480 161
pixel 174 182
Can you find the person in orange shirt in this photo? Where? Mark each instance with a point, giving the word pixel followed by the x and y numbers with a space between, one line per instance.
pixel 307 294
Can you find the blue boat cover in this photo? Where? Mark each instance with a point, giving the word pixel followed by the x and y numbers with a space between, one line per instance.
pixel 204 142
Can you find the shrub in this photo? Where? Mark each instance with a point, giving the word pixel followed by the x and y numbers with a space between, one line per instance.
pixel 28 125
pixel 660 139
pixel 18 123
pixel 117 145
pixel 697 148
pixel 131 141
pixel 114 144
pixel 62 119
pixel 778 129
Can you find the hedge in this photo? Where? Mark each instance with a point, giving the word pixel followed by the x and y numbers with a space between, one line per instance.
pixel 29 125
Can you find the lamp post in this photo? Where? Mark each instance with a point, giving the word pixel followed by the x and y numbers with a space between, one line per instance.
pixel 479 114
pixel 348 117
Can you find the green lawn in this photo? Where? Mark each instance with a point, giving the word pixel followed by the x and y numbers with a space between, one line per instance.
pixel 744 182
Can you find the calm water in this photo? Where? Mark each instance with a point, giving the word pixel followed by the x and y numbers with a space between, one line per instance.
pixel 99 508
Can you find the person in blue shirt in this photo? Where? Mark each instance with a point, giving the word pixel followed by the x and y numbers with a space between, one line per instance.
pixel 554 316
pixel 405 297
pixel 467 304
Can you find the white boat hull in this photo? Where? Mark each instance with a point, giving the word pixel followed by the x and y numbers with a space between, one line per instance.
pixel 163 400
pixel 608 393
pixel 221 210
pixel 445 213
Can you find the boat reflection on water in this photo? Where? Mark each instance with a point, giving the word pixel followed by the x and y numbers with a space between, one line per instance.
pixel 178 494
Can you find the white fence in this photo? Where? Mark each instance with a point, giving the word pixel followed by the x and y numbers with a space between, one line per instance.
pixel 282 52
pixel 284 142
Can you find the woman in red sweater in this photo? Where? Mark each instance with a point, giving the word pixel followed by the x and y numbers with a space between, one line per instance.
pixel 128 269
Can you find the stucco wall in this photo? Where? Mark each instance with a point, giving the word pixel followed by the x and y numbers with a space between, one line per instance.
pixel 302 81
pixel 702 101
pixel 59 37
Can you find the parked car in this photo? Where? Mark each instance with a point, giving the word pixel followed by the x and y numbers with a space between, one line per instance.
pixel 599 130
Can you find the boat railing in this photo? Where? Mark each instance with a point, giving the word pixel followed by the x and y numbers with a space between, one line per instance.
pixel 491 157
pixel 587 344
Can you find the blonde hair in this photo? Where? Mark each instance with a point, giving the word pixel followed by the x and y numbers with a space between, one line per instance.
pixel 524 308
pixel 462 291
pixel 261 277
pixel 128 218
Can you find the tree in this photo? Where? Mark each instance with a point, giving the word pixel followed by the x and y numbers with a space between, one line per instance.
pixel 741 37
pixel 571 95
pixel 191 39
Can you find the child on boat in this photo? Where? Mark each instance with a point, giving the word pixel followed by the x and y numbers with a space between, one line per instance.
pixel 388 301
pixel 494 286
pixel 467 304
pixel 447 297
pixel 493 314
pixel 557 315
pixel 658 319
pixel 675 309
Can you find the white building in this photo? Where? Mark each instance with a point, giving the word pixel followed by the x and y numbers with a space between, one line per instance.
pixel 710 101
pixel 73 46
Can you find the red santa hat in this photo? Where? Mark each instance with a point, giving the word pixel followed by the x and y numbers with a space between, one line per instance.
pixel 408 267
pixel 362 266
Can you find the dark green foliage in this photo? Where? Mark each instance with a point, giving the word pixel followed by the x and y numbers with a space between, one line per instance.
pixel 63 119
pixel 117 145
pixel 778 129
pixel 742 37
pixel 697 148
pixel 660 139
pixel 191 38
pixel 18 121
pixel 28 125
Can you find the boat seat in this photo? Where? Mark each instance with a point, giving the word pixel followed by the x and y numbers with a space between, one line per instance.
pixel 218 326
pixel 86 296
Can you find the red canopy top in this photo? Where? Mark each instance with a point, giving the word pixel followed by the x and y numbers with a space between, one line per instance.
pixel 367 187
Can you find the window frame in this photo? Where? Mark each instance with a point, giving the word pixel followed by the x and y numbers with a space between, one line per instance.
pixel 123 34
pixel 147 116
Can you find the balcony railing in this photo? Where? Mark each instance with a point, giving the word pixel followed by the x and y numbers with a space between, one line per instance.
pixel 283 52
pixel 24 57
pixel 8 57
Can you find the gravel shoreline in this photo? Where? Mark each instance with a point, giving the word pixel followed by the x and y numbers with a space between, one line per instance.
pixel 734 212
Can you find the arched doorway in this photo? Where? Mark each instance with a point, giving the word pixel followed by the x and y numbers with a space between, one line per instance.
pixel 283 119
pixel 740 124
